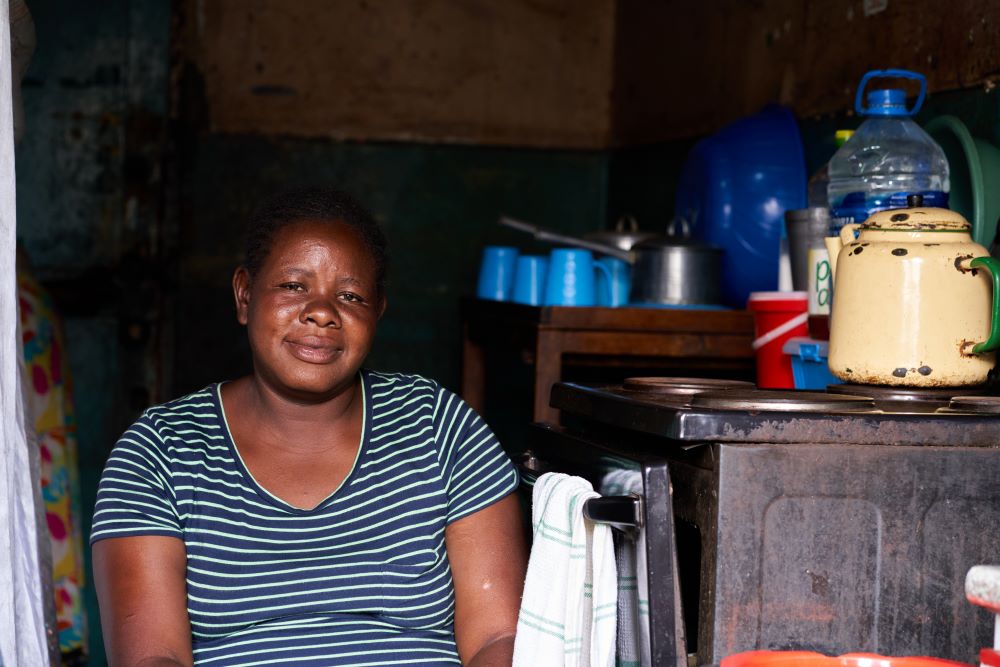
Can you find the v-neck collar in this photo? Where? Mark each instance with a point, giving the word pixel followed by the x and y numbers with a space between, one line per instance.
pixel 366 412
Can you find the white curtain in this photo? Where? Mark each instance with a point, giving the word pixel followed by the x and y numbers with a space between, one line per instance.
pixel 23 640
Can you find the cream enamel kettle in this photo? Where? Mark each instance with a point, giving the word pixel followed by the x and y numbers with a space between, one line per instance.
pixel 915 301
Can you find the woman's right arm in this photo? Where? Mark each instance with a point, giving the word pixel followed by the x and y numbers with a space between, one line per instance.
pixel 142 590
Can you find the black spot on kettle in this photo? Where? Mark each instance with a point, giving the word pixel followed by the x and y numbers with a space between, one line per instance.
pixel 900 372
pixel 900 217
pixel 858 250
pixel 924 370
pixel 899 252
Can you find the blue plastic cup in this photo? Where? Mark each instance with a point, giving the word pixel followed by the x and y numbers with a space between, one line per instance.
pixel 571 278
pixel 614 283
pixel 529 279
pixel 496 273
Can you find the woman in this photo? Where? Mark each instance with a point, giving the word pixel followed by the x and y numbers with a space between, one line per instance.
pixel 312 512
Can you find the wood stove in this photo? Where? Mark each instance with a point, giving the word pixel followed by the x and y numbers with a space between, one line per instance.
pixel 816 521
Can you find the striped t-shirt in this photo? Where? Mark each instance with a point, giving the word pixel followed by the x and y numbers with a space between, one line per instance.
pixel 362 579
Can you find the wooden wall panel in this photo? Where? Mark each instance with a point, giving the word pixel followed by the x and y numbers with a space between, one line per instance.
pixel 561 73
pixel 529 72
pixel 684 68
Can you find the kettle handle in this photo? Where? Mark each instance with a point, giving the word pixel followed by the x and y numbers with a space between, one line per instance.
pixel 992 265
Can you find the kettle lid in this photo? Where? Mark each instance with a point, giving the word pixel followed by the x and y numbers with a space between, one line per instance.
pixel 917 219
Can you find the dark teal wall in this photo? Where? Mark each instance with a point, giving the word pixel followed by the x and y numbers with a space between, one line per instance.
pixel 437 204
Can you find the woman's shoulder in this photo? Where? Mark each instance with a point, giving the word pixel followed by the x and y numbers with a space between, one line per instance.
pixel 197 412
pixel 383 384
pixel 394 390
pixel 200 404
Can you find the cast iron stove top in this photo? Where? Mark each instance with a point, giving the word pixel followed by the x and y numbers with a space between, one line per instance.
pixel 689 410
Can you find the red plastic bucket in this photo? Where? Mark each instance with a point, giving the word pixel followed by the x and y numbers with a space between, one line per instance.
pixel 777 316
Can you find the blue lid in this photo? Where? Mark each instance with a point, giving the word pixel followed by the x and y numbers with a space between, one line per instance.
pixel 887 102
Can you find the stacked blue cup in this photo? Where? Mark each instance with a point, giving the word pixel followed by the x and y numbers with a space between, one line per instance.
pixel 496 273
pixel 571 278
pixel 529 280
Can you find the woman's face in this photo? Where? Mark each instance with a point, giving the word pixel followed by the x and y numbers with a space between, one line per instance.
pixel 311 309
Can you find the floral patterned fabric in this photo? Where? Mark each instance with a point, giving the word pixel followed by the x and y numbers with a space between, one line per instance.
pixel 50 405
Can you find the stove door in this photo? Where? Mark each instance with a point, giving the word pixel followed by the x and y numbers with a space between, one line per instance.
pixel 552 449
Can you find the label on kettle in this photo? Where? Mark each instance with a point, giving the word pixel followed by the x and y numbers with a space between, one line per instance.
pixel 820 281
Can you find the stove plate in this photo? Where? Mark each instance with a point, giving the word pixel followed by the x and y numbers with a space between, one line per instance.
pixel 680 386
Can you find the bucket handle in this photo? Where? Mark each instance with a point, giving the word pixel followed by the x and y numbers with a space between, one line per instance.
pixel 780 330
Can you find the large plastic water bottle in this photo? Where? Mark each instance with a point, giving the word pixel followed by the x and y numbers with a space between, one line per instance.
pixel 889 156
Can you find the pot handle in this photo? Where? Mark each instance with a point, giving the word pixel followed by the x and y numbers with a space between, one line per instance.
pixel 681 222
pixel 546 235
pixel 629 222
pixel 992 343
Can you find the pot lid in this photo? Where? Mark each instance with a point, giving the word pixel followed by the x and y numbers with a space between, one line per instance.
pixel 666 242
pixel 625 234
pixel 678 236
pixel 917 219
pixel 623 240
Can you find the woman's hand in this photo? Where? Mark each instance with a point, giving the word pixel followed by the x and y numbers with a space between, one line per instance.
pixel 142 592
pixel 488 558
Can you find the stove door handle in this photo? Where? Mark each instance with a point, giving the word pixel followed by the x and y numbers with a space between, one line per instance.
pixel 620 512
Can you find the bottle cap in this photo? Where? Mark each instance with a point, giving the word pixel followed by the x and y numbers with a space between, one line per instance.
pixel 887 102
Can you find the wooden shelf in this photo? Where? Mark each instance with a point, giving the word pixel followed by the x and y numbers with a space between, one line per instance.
pixel 551 336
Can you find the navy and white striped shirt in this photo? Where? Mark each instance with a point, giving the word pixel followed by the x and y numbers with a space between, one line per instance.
pixel 362 579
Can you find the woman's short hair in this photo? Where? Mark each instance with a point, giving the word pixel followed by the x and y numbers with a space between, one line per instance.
pixel 313 203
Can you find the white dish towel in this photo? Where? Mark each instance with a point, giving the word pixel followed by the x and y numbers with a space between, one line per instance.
pixel 569 608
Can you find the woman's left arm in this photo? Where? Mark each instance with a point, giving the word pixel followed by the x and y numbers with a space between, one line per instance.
pixel 488 558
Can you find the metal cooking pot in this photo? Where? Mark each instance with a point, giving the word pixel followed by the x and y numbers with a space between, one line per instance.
pixel 676 270
pixel 666 270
